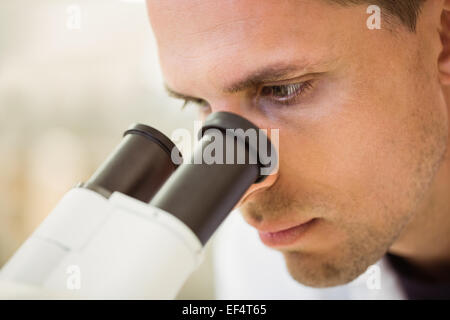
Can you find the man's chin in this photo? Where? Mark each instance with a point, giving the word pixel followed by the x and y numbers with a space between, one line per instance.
pixel 314 271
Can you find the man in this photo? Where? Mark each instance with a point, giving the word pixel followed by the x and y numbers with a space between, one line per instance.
pixel 363 119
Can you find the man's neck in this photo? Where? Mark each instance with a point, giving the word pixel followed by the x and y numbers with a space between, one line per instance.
pixel 425 241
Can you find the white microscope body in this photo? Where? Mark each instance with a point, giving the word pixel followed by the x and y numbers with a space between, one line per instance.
pixel 116 248
pixel 137 228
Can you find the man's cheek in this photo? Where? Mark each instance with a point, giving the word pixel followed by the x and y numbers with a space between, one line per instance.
pixel 335 155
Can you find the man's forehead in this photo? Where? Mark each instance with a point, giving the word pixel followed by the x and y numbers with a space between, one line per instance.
pixel 228 21
pixel 233 38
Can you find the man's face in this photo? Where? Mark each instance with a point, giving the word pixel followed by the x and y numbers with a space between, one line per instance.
pixel 362 126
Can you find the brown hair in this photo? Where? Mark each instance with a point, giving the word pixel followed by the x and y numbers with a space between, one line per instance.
pixel 405 10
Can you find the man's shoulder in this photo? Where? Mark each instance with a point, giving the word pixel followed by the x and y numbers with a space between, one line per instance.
pixel 415 285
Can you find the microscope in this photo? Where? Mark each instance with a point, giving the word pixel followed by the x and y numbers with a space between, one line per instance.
pixel 137 228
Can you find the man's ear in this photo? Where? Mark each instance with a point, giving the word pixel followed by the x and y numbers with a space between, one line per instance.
pixel 444 58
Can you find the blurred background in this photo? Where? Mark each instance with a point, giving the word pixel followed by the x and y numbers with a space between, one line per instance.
pixel 73 76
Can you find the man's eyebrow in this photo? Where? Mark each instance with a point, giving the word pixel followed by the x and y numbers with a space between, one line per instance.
pixel 268 73
pixel 172 93
pixel 273 72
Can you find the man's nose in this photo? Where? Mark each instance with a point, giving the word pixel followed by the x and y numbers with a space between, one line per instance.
pixel 264 185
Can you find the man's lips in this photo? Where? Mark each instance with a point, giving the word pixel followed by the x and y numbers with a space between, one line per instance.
pixel 284 236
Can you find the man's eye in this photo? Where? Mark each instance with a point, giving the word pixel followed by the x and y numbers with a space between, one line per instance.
pixel 285 94
pixel 202 105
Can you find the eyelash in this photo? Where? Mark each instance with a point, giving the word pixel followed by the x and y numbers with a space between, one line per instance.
pixel 294 92
pixel 294 89
pixel 202 104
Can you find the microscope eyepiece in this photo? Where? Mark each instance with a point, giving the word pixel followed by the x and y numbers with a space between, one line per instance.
pixel 254 138
pixel 138 166
pixel 202 193
pixel 230 156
